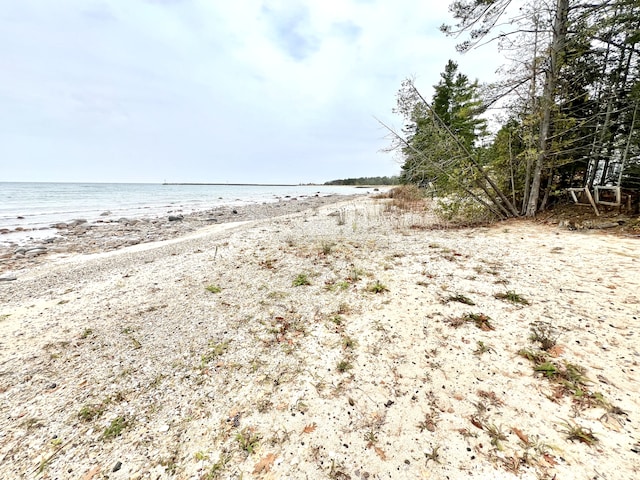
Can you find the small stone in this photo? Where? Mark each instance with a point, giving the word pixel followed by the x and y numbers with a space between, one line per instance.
pixel 163 428
pixel 234 211
pixel 105 214
pixel 8 277
pixel 176 218
pixel 117 467
pixel 51 386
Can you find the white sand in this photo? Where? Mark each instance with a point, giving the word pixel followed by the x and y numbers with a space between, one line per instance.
pixel 245 383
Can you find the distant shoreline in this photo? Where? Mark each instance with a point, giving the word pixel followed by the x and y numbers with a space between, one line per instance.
pixel 246 184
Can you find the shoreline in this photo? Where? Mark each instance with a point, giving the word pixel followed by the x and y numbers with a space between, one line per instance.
pixel 334 342
pixel 107 234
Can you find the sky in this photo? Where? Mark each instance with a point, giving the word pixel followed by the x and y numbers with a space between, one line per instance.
pixel 269 91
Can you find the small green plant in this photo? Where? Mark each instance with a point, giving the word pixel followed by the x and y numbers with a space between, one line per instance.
pixel 86 333
pixel 348 342
pixel 199 456
pixel 482 321
pixel 579 433
pixel 128 330
pixel 216 469
pixel 215 350
pixel 496 434
pixel 460 299
pixel 377 287
pixel 90 412
pixel 337 319
pixel 548 369
pixel 115 428
pixel 344 365
pixel 213 288
pixel 512 297
pixel 4 316
pixel 536 357
pixel 433 455
pixel 301 279
pixel 482 348
pixel 248 440
pixel 371 438
pixel 544 334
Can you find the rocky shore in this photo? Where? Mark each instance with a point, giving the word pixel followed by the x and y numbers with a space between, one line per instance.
pixel 107 233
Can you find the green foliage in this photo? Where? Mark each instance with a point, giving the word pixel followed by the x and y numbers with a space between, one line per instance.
pixel 213 288
pixel 300 280
pixel 366 181
pixel 115 428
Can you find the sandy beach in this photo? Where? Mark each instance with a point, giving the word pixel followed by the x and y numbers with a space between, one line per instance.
pixel 343 341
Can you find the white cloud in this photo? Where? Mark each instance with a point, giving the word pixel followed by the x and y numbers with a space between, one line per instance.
pixel 198 90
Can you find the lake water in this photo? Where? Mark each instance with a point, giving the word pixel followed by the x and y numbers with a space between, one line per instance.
pixel 36 206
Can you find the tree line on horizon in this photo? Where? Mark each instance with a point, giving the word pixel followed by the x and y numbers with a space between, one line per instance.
pixel 366 181
pixel 568 103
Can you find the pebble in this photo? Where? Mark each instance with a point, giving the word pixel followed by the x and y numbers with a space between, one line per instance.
pixel 78 236
pixel 117 467
pixel 7 277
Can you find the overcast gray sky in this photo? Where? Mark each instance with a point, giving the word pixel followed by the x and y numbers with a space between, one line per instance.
pixel 212 90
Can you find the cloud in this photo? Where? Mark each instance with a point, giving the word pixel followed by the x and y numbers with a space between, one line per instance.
pixel 193 89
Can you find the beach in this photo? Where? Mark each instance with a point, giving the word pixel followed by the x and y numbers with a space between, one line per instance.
pixel 344 339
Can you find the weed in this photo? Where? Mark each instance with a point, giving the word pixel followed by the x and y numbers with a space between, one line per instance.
pixel 535 357
pixel 343 366
pixel 482 321
pixel 248 440
pixel 577 432
pixel 199 456
pixel 327 247
pixel 300 280
pixel 377 287
pixel 548 369
pixel 512 297
pixel 496 434
pixel 371 438
pixel 460 299
pixel 349 343
pixel 434 454
pixel 482 348
pixel 86 333
pixel 342 216
pixel 128 330
pixel 215 350
pixel 492 397
pixel 4 316
pixel 115 428
pixel 31 423
pixel 90 412
pixel 216 469
pixel 355 275
pixel 337 319
pixel 543 333
pixel 213 288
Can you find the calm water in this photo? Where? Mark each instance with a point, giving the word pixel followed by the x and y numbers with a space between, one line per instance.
pixel 42 204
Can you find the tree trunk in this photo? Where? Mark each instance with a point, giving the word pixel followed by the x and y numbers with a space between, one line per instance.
pixel 551 78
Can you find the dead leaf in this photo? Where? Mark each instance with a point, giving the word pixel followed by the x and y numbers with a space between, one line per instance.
pixel 380 453
pixel 264 465
pixel 476 423
pixel 556 350
pixel 310 428
pixel 91 473
pixel 549 458
pixel 520 435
